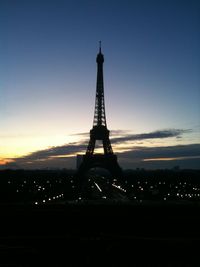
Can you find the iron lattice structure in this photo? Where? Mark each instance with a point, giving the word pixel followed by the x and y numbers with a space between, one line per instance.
pixel 99 113
pixel 100 132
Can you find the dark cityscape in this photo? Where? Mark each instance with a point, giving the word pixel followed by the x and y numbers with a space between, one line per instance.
pixel 46 221
pixel 45 187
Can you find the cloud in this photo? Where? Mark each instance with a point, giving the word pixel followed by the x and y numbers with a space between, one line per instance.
pixel 141 153
pixel 59 157
pixel 68 149
pixel 65 155
pixel 113 133
pixel 152 135
pixel 187 156
pixel 124 136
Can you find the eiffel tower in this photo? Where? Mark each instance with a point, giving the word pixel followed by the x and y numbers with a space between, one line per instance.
pixel 107 160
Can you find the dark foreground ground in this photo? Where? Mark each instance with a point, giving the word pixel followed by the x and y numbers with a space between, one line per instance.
pixel 89 234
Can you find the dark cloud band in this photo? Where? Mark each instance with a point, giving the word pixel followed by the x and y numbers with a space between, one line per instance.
pixel 57 154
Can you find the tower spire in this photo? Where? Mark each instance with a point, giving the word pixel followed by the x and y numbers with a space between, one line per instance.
pixel 100 47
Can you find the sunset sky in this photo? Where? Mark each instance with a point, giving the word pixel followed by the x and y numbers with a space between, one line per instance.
pixel 48 81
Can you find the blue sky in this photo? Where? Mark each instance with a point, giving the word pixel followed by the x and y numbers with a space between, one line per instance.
pixel 48 76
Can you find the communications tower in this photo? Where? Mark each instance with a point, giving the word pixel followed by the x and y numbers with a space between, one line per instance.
pixel 99 131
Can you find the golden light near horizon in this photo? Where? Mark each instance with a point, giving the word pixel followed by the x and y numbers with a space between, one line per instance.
pixel 4 161
pixel 14 147
pixel 19 146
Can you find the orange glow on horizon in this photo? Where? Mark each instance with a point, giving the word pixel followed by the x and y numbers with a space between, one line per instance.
pixel 5 161
pixel 22 146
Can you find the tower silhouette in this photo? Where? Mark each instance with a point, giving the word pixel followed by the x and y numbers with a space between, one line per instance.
pixel 99 131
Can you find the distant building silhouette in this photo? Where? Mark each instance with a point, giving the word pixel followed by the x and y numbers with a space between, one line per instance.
pixel 79 160
pixel 107 159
